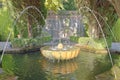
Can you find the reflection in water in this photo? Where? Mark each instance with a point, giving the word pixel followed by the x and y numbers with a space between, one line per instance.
pixel 62 70
pixel 35 67
pixel 64 67
pixel 26 67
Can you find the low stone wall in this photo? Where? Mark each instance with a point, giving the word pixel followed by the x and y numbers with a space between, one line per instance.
pixel 115 47
pixel 21 50
pixel 12 50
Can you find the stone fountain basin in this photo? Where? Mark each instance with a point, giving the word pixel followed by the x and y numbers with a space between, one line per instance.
pixel 67 54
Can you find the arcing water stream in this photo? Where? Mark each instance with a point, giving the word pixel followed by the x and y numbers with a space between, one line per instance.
pixel 9 35
pixel 33 7
pixel 92 12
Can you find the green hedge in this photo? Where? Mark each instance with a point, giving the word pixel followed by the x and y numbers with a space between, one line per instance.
pixel 95 43
pixel 29 42
pixel 100 43
pixel 74 39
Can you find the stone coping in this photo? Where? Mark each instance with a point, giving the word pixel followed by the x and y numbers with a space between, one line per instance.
pixel 115 48
pixel 21 50
pixel 34 49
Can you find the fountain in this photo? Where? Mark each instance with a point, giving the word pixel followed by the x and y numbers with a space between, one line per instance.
pixel 60 51
pixel 63 50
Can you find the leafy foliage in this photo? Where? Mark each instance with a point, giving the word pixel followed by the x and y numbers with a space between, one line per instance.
pixel 7 76
pixel 54 5
pixel 116 31
pixel 116 4
pixel 69 5
pixel 100 7
pixel 5 22
pixel 29 42
pixel 74 39
pixel 116 59
pixel 30 17
pixel 95 43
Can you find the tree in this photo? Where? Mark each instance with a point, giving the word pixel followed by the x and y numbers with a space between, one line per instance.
pixel 116 4
pixel 69 4
pixel 54 5
pixel 102 7
pixel 20 5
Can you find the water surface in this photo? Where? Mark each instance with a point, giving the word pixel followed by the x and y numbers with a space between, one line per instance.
pixel 33 66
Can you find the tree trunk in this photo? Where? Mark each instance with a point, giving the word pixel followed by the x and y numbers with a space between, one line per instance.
pixel 94 28
pixel 116 4
pixel 29 26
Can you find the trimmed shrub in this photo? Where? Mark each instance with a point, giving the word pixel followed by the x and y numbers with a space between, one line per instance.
pixel 29 42
pixel 74 39
pixel 95 43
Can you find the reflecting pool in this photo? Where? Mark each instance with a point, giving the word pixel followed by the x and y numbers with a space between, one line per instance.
pixel 33 66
